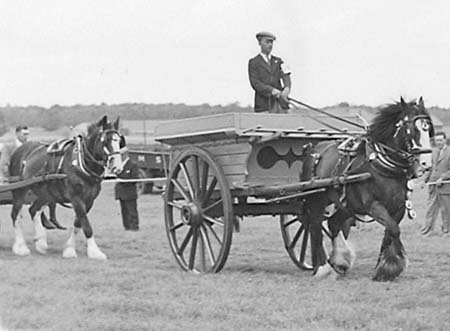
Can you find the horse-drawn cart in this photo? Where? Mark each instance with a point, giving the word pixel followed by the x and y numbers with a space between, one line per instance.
pixel 228 166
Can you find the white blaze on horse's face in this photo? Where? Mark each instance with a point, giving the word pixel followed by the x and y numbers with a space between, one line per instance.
pixel 423 127
pixel 115 164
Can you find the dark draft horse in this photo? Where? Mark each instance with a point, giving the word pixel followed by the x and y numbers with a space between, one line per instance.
pixel 84 162
pixel 394 149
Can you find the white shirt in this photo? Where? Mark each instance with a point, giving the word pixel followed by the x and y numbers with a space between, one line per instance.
pixel 266 57
pixel 284 67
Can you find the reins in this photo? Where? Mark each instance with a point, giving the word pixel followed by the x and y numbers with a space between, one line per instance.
pixel 386 152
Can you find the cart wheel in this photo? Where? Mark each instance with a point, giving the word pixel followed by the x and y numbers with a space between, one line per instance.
pixel 296 238
pixel 198 212
pixel 144 188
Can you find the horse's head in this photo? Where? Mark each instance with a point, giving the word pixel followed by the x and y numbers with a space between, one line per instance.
pixel 419 131
pixel 407 128
pixel 106 143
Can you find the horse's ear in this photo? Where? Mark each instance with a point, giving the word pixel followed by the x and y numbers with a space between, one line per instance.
pixel 402 101
pixel 116 123
pixel 103 122
pixel 421 104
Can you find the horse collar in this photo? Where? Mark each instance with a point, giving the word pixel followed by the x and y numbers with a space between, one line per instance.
pixel 381 160
pixel 80 153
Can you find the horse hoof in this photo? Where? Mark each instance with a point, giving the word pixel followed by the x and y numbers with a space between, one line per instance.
pixel 97 255
pixel 324 271
pixel 69 253
pixel 41 247
pixel 21 249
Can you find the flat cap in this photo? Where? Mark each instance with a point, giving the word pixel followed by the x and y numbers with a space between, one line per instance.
pixel 261 34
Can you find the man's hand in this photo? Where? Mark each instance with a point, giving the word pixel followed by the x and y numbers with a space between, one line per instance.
pixel 285 94
pixel 276 93
pixel 439 182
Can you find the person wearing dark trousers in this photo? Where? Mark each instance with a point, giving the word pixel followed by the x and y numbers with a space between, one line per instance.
pixel 126 193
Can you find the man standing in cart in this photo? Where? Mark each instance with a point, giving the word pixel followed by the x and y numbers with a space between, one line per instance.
pixel 269 77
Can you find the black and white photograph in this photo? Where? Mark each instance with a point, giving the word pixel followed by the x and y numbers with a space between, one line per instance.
pixel 224 165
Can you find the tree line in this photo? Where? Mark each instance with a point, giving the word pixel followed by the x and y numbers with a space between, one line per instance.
pixel 57 116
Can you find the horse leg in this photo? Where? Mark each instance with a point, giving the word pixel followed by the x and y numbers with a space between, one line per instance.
pixel 342 255
pixel 81 209
pixel 392 260
pixel 314 209
pixel 40 235
pixel 69 251
pixel 19 247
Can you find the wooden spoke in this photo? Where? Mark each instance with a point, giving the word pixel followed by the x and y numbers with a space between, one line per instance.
pixel 210 190
pixel 202 251
pixel 174 204
pixel 206 240
pixel 214 233
pixel 218 202
pixel 296 237
pixel 193 249
pixel 292 221
pixel 213 221
pixel 181 189
pixel 176 226
pixel 204 180
pixel 196 177
pixel 304 245
pixel 188 180
pixel 185 241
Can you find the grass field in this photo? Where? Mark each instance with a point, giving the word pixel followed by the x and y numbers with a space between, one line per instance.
pixel 141 287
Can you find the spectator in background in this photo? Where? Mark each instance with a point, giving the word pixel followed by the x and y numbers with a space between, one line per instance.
pixel 439 192
pixel 126 193
pixel 22 134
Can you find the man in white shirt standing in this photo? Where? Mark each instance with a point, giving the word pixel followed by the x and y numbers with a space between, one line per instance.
pixel 269 77
pixel 22 134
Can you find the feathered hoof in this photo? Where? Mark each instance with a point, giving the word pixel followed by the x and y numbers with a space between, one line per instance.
pixel 69 253
pixel 21 249
pixel 96 255
pixel 324 271
pixel 41 246
pixel 387 271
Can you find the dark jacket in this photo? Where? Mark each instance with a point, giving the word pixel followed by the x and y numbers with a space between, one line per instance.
pixel 127 191
pixel 263 78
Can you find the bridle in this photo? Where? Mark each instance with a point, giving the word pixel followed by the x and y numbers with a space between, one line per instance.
pixel 84 156
pixel 397 160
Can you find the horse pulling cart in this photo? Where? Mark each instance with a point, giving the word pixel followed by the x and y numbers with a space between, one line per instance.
pixel 225 167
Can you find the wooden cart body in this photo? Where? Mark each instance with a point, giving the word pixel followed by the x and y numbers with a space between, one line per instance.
pixel 259 156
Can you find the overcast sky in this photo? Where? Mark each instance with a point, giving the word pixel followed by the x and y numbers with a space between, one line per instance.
pixel 197 51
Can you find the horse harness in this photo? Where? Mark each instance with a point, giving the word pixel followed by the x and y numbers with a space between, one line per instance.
pixel 379 157
pixel 79 157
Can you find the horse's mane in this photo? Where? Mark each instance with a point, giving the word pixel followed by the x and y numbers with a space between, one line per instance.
pixel 92 128
pixel 383 126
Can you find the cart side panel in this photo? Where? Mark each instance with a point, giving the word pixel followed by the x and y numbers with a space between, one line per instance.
pixel 230 155
pixel 279 162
